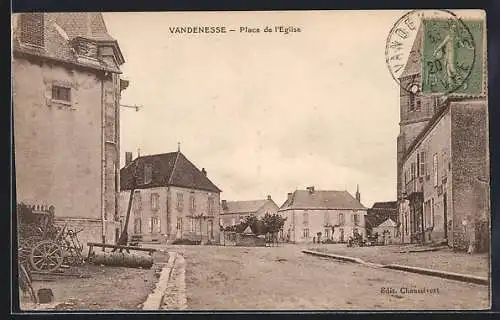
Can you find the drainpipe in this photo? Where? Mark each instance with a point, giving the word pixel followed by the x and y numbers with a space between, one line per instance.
pixel 103 160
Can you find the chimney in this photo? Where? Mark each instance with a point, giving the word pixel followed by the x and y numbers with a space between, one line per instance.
pixel 128 157
pixel 204 171
pixel 310 189
pixel 268 197
pixel 289 196
pixel 358 195
pixel 224 204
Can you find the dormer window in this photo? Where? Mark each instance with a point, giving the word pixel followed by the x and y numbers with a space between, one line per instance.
pixel 32 29
pixel 148 173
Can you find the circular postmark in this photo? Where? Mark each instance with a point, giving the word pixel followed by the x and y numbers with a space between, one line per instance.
pixel 431 52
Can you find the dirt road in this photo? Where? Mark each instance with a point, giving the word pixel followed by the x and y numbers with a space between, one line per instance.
pixel 284 278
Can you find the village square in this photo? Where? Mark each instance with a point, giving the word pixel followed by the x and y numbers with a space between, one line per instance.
pixel 108 225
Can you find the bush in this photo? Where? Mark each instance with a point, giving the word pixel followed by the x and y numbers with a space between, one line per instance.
pixel 329 241
pixel 186 242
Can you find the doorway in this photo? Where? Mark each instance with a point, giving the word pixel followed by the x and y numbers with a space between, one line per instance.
pixel 211 230
pixel 445 216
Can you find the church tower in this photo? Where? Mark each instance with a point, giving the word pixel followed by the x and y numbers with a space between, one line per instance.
pixel 416 109
pixel 358 195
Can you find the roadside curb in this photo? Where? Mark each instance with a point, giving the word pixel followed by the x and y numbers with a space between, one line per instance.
pixel 442 274
pixel 154 299
pixel 429 272
pixel 334 256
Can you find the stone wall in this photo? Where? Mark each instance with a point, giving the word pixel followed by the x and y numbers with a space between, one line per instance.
pixel 471 201
pixel 316 221
pixel 437 142
pixel 176 222
pixel 58 145
pixel 91 230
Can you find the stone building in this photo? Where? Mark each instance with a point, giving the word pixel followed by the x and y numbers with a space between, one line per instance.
pixel 66 98
pixel 172 199
pixel 232 212
pixel 336 214
pixel 442 163
pixel 380 212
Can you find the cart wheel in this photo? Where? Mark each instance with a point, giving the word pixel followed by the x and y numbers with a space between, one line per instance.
pixel 47 256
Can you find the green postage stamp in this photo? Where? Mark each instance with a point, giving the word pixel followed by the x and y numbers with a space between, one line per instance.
pixel 453 56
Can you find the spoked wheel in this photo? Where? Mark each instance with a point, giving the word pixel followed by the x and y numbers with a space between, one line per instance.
pixel 46 256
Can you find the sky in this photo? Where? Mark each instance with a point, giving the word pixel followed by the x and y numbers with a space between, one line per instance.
pixel 265 113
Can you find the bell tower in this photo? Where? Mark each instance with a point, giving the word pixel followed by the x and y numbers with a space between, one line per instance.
pixel 416 109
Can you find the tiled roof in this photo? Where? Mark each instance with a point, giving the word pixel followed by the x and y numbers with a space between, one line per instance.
pixel 78 24
pixel 372 221
pixel 168 169
pixel 321 199
pixel 249 206
pixel 388 223
pixel 60 29
pixel 392 205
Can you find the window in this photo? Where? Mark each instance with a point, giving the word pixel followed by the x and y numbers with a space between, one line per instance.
pixel 412 170
pixel 445 164
pixel 341 219
pixel 418 104
pixel 355 219
pixel 192 225
pixel 180 201
pixel 155 225
pixel 418 164
pixel 435 169
pixel 148 173
pixel 327 218
pixel 305 218
pixel 293 219
pixel 422 164
pixel 155 201
pixel 211 205
pixel 411 105
pixel 60 93
pixel 32 26
pixel 192 204
pixel 137 226
pixel 137 201
pixel 179 223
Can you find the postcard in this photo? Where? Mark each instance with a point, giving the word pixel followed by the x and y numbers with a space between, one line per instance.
pixel 280 160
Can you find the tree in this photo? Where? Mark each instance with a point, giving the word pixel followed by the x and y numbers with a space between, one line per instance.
pixel 272 224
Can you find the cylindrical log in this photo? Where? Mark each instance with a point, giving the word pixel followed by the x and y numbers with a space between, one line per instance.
pixel 123 259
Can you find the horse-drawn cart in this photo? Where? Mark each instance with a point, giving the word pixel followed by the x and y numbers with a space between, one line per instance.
pixel 43 246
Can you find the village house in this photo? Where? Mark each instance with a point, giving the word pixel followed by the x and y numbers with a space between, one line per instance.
pixel 336 214
pixel 66 105
pixel 172 199
pixel 380 212
pixel 233 212
pixel 387 232
pixel 443 165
